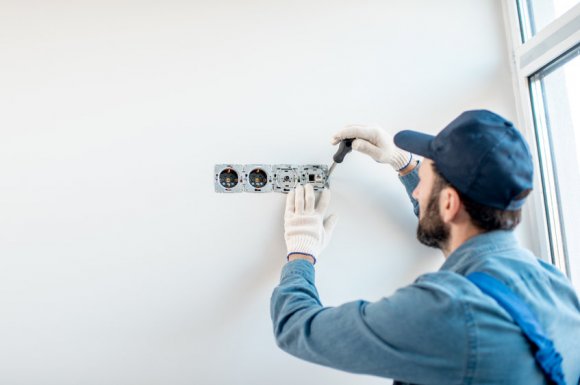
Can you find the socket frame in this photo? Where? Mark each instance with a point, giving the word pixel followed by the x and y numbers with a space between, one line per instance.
pixel 248 169
pixel 238 168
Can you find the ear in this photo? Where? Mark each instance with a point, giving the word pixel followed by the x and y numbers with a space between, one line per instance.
pixel 449 204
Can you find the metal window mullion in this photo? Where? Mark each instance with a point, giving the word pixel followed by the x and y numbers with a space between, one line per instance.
pixel 522 8
pixel 535 210
pixel 552 206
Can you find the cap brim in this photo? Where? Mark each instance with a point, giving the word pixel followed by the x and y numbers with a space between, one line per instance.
pixel 415 142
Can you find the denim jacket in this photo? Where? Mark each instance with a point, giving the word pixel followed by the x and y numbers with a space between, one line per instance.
pixel 439 330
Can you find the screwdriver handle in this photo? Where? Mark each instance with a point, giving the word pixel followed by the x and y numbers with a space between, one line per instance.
pixel 344 148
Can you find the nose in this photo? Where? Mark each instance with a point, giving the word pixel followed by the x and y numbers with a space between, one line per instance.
pixel 415 193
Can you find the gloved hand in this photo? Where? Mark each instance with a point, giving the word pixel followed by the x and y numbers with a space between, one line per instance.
pixel 376 143
pixel 305 229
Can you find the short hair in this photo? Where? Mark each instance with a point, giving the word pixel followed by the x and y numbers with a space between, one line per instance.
pixel 483 217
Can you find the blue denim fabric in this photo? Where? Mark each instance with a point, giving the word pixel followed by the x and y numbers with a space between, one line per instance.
pixel 439 330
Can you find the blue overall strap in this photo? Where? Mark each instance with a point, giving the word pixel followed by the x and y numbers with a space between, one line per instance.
pixel 544 351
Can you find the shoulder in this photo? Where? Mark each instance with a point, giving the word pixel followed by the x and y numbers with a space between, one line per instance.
pixel 429 319
pixel 445 283
pixel 436 303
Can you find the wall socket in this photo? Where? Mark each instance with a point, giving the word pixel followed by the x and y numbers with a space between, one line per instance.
pixel 262 178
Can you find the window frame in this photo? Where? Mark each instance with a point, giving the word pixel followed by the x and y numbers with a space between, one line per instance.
pixel 528 56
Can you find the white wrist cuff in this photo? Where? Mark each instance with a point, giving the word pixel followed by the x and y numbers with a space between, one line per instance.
pixel 401 159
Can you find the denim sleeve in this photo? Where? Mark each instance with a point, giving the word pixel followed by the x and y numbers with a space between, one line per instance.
pixel 410 181
pixel 404 336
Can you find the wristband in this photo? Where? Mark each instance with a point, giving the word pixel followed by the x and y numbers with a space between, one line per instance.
pixel 296 252
pixel 408 163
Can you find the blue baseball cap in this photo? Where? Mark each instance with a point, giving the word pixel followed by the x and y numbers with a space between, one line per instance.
pixel 481 154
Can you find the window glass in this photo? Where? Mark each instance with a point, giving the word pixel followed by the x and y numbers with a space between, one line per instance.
pixel 560 104
pixel 537 14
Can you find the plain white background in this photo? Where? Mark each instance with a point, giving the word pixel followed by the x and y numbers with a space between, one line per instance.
pixel 119 264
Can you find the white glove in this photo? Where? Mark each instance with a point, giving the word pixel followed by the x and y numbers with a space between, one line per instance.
pixel 376 143
pixel 305 229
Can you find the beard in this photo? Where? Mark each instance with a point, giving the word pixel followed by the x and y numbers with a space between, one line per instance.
pixel 431 231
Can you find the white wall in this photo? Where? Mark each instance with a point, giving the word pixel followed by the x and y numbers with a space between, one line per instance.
pixel 118 262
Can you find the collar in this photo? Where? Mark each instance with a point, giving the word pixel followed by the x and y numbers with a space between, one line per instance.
pixel 472 250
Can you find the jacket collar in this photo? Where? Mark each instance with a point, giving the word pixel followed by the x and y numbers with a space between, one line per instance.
pixel 474 249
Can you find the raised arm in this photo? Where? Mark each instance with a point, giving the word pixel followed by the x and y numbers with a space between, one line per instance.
pixel 377 143
pixel 410 179
pixel 404 336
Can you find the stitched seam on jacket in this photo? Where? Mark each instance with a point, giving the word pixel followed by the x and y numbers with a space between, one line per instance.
pixel 471 363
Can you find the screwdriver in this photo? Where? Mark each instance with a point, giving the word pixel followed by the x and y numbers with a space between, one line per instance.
pixel 344 148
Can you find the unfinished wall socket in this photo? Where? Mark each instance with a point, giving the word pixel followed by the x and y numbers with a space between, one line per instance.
pixel 262 178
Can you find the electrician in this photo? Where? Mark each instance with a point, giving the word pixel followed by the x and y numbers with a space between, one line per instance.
pixel 493 313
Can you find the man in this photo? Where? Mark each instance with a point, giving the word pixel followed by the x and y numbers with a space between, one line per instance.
pixel 521 325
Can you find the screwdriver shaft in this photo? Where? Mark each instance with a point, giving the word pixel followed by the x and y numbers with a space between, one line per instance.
pixel 330 170
pixel 344 148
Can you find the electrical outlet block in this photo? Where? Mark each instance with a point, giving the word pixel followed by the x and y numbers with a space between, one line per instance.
pixel 262 178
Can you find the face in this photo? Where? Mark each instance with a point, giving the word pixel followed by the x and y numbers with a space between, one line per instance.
pixel 431 230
